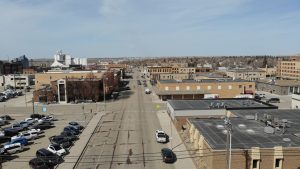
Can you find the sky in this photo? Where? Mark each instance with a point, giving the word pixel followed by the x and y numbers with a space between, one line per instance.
pixel 135 28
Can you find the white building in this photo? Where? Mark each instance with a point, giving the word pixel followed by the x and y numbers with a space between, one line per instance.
pixel 295 101
pixel 16 81
pixel 63 61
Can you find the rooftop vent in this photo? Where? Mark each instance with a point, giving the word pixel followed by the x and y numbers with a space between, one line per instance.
pixel 250 131
pixel 286 139
pixel 224 131
pixel 269 130
pixel 219 126
pixel 250 117
pixel 242 126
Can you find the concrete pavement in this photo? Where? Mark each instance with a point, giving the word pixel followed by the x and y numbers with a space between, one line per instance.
pixel 78 148
pixel 184 159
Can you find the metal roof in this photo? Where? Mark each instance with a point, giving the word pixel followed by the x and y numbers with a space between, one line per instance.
pixel 228 104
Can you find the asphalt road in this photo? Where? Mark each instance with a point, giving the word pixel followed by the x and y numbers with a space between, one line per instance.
pixel 125 137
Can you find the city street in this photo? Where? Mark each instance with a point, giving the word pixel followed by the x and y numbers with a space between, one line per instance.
pixel 125 137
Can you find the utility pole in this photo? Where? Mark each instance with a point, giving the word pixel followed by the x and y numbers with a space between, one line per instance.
pixel 228 128
pixel 32 105
pixel 15 80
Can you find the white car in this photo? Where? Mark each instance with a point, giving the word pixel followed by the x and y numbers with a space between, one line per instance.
pixel 12 148
pixel 28 136
pixel 57 149
pixel 161 136
pixel 35 131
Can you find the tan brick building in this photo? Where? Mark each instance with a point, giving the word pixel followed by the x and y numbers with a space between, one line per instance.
pixel 289 69
pixel 247 74
pixel 191 89
pixel 42 79
pixel 253 147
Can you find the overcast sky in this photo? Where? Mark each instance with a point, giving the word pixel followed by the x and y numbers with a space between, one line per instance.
pixel 116 28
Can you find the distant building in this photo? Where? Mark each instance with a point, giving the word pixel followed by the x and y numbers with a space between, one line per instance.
pixel 62 60
pixel 23 60
pixel 280 87
pixel 246 74
pixel 194 90
pixel 10 68
pixel 288 69
pixel 270 71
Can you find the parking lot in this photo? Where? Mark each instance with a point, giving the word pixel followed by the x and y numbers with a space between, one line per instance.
pixel 285 100
pixel 81 113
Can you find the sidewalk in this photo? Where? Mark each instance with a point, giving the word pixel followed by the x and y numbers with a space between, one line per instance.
pixel 184 159
pixel 79 146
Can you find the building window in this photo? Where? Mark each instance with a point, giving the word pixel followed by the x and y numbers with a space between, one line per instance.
pixel 255 164
pixel 250 86
pixel 278 163
pixel 229 87
pixel 166 88
pixel 240 86
pixel 208 87
pixel 188 88
pixel 177 87
pixel 219 87
pixel 50 77
pixel 198 87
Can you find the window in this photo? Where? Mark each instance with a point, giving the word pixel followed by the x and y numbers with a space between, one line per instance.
pixel 166 88
pixel 255 164
pixel 250 86
pixel 198 87
pixel 278 163
pixel 219 87
pixel 240 86
pixel 177 87
pixel 229 87
pixel 188 88
pixel 208 87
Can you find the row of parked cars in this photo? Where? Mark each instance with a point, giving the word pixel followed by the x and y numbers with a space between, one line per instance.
pixel 58 147
pixel 7 94
pixel 17 136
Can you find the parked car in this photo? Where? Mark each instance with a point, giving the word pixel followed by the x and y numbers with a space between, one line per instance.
pixel 6 117
pixel 147 91
pixel 273 100
pixel 168 155
pixel 160 136
pixel 38 163
pixel 3 122
pixel 42 125
pixel 37 131
pixel 71 136
pixel 76 125
pixel 28 136
pixel 24 124
pixel 13 129
pixel 57 149
pixel 48 157
pixel 21 140
pixel 37 116
pixel 61 140
pixel 71 129
pixel 12 148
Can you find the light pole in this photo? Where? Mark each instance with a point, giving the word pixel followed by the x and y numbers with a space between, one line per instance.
pixel 228 127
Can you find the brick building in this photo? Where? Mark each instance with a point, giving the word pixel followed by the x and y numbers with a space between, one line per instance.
pixel 247 74
pixel 191 89
pixel 261 139
pixel 288 69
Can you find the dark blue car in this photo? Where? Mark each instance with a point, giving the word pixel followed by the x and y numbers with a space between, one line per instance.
pixel 72 130
pixel 23 141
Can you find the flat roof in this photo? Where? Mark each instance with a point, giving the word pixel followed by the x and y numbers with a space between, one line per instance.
pixel 282 82
pixel 229 104
pixel 204 81
pixel 246 70
pixel 247 133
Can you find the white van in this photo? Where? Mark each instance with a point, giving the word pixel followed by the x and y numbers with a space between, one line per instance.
pixel 12 148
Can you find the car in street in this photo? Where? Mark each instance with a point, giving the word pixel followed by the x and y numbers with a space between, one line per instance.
pixel 48 157
pixel 161 136
pixel 147 91
pixel 38 163
pixel 12 148
pixel 61 140
pixel 76 125
pixel 57 149
pixel 168 155
pixel 273 100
